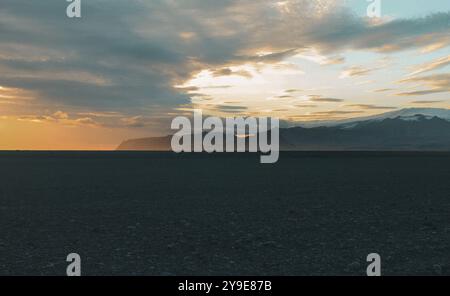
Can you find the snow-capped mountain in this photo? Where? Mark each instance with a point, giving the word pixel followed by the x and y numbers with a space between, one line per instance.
pixel 413 112
pixel 405 114
pixel 412 129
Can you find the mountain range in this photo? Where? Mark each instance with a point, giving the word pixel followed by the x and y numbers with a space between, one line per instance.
pixel 412 129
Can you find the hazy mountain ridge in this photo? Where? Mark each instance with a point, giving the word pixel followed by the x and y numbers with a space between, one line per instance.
pixel 426 129
pixel 407 112
pixel 422 133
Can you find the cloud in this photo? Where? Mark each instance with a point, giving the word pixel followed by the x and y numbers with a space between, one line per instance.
pixel 333 113
pixel 217 87
pixel 230 72
pixel 383 90
pixel 355 71
pixel 101 114
pixel 117 58
pixel 289 91
pixel 439 44
pixel 426 102
pixel 284 97
pixel 97 62
pixel 337 29
pixel 333 61
pixel 60 115
pixel 85 121
pixel 421 92
pixel 106 119
pixel 392 36
pixel 306 106
pixel 371 107
pixel 136 121
pixel 312 55
pixel 437 83
pixel 15 96
pixel 434 65
pixel 230 109
pixel 318 98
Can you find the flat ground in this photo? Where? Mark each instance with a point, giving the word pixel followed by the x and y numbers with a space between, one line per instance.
pixel 167 214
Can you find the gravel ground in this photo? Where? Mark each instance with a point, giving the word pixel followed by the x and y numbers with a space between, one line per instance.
pixel 167 214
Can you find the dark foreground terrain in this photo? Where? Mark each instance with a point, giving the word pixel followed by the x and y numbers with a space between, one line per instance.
pixel 166 214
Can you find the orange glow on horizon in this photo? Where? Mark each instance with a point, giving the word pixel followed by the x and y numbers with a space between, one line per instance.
pixel 26 135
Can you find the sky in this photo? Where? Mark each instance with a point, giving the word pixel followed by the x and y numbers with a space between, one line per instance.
pixel 125 69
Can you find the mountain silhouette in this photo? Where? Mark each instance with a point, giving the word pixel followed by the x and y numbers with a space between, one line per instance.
pixel 403 130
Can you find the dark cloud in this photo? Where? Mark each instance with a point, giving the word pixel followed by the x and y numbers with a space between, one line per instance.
pixel 289 91
pixel 103 45
pixel 339 32
pixel 318 98
pixel 371 107
pixel 128 55
pixel 230 72
pixel 229 108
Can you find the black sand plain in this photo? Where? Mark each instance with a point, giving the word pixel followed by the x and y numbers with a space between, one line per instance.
pixel 137 213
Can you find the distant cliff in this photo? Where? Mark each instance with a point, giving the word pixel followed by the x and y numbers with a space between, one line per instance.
pixel 146 144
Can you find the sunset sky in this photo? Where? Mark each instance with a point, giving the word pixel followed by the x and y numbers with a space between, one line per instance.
pixel 128 67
